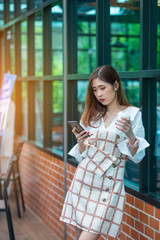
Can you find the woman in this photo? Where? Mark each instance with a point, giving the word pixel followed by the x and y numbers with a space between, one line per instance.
pixel 95 200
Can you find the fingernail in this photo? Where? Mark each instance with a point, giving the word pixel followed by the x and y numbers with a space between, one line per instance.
pixel 87 132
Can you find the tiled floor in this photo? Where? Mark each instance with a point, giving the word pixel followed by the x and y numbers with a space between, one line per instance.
pixel 29 227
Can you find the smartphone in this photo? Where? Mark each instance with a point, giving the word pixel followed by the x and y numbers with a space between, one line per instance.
pixel 73 124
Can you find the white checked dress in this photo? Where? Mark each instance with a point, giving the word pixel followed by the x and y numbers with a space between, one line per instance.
pixel 96 197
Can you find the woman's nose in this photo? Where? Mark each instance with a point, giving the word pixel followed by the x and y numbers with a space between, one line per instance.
pixel 99 93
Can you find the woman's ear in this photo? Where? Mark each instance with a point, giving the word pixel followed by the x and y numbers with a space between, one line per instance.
pixel 116 85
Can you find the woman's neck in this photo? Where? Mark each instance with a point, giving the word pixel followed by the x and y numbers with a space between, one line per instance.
pixel 114 108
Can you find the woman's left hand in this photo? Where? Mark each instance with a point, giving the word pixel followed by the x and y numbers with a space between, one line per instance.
pixel 124 125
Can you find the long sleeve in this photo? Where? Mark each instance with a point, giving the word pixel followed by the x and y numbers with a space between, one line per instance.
pixel 139 132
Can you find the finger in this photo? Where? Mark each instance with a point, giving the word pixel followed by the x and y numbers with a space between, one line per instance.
pixel 123 119
pixel 82 137
pixel 126 119
pixel 74 131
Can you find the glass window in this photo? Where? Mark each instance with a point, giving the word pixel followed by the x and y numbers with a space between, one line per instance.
pixel 38 38
pixel 157 142
pixel 11 9
pixel 86 39
pixel 39 113
pixel 80 90
pixel 158 36
pixel 24 48
pixel 1 12
pixel 125 35
pixel 131 88
pixel 57 40
pixel 23 6
pixel 81 94
pixel 38 2
pixel 57 127
pixel 24 110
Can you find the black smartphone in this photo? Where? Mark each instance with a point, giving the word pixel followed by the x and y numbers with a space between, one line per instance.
pixel 73 124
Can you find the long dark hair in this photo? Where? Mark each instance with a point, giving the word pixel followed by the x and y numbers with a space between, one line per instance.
pixel 94 110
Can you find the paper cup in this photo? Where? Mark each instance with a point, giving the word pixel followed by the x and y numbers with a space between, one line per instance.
pixel 121 114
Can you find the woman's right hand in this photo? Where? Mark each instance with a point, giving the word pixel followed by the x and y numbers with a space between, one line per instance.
pixel 81 137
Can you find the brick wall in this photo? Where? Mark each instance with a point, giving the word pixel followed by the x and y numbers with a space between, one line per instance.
pixel 43 185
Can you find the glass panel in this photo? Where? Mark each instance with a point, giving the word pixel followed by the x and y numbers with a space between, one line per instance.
pixel 24 111
pixel 38 2
pixel 24 48
pixel 125 35
pixel 39 113
pixel 23 6
pixel 131 88
pixel 86 39
pixel 57 40
pixel 57 128
pixel 38 38
pixel 81 94
pixel 158 36
pixel 157 143
pixel 1 12
pixel 11 9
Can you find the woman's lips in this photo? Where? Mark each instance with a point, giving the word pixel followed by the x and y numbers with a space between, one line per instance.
pixel 101 100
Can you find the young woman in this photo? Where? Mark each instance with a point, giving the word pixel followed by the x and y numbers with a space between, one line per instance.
pixel 95 200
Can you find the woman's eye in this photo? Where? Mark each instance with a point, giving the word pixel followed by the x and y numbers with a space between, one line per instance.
pixel 94 90
pixel 102 88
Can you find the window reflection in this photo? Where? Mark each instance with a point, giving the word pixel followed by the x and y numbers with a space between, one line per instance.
pixel 1 12
pixel 38 38
pixel 158 35
pixel 39 113
pixel 131 88
pixel 81 94
pixel 125 35
pixel 57 40
pixel 157 140
pixel 57 127
pixel 24 111
pixel 23 6
pixel 24 48
pixel 38 2
pixel 86 39
pixel 11 9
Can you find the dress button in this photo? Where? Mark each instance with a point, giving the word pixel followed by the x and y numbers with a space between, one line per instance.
pixel 113 165
pixel 104 199
pixel 107 189
pixel 110 177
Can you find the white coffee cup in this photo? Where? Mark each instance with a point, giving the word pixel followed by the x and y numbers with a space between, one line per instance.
pixel 125 115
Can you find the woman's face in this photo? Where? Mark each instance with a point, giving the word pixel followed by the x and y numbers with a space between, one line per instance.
pixel 103 91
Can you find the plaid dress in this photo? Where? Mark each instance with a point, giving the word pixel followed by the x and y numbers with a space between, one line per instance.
pixel 96 197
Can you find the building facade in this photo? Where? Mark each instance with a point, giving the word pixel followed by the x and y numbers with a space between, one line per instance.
pixel 53 46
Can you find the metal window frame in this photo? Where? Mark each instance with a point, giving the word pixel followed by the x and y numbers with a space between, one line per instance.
pixel 47 85
pixel 147 73
pixel 31 71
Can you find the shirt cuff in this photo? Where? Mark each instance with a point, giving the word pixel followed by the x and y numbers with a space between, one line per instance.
pixel 74 152
pixel 139 155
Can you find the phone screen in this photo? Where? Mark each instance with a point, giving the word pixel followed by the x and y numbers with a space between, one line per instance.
pixel 73 124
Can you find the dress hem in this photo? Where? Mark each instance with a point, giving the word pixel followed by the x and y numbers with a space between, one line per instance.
pixel 85 229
